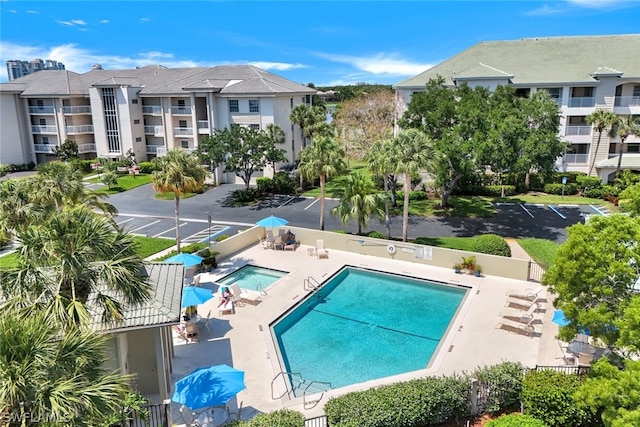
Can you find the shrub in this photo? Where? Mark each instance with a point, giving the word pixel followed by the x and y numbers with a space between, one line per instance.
pixel 146 167
pixel 83 166
pixel 110 179
pixel 602 192
pixel 221 237
pixel 413 403
pixel 569 188
pixel 585 182
pixel 548 396
pixel 505 385
pixel 376 235
pixel 496 190
pixel 285 184
pixel 264 184
pixel 244 196
pixel 4 169
pixel 515 420
pixel 491 244
pixel 417 195
pixel 572 177
pixel 280 418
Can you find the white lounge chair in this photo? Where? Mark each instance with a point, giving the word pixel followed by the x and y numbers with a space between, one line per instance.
pixel 529 294
pixel 527 329
pixel 321 251
pixel 251 297
pixel 519 315
pixel 523 304
pixel 227 307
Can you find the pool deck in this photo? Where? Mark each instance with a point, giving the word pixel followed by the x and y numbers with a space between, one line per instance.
pixel 243 340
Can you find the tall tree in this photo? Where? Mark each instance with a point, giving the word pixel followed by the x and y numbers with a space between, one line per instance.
pixel 211 151
pixel 601 120
pixel 379 160
pixel 593 276
pixel 75 265
pixel 51 378
pixel 312 121
pixel 323 159
pixel 624 128
pixel 67 150
pixel 362 120
pixel 275 137
pixel 410 153
pixel 178 172
pixel 359 200
pixel 246 150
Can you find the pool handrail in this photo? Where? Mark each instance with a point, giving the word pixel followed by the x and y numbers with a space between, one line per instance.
pixel 289 388
pixel 310 284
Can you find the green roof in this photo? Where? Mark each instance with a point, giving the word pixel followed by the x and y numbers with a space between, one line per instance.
pixel 540 61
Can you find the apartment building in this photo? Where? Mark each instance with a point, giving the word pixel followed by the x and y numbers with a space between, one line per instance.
pixel 583 74
pixel 17 68
pixel 148 110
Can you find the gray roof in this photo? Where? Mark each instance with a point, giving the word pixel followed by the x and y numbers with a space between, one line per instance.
pixel 165 305
pixel 541 60
pixel 157 80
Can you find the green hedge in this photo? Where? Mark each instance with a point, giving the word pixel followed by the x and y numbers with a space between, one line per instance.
pixel 280 418
pixel 569 189
pixel 189 249
pixel 487 190
pixel 548 396
pixel 146 167
pixel 505 388
pixel 491 244
pixel 602 192
pixel 515 420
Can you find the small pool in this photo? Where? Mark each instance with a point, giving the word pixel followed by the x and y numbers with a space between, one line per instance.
pixel 364 325
pixel 252 277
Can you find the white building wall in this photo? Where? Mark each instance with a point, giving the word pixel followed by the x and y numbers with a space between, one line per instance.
pixel 15 142
pixel 97 115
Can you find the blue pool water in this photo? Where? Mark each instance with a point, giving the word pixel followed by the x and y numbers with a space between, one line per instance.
pixel 252 277
pixel 364 325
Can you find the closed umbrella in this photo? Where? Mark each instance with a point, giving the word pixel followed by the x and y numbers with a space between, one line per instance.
pixel 212 386
pixel 272 221
pixel 192 295
pixel 189 260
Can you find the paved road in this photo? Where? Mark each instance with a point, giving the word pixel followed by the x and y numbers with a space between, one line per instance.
pixel 143 214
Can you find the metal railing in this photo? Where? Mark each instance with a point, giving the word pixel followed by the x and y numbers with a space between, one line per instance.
pixel 181 110
pixel 578 130
pixel 44 129
pixel 80 129
pixel 41 110
pixel 154 110
pixel 44 148
pixel 154 130
pixel 582 101
pixel 158 415
pixel 576 158
pixel 183 131
pixel 203 124
pixel 321 421
pixel 307 387
pixel 153 149
pixel 535 272
pixel 78 109
pixel 627 101
pixel 578 370
pixel 310 284
pixel 86 148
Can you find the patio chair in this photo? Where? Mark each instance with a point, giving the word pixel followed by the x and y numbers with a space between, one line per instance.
pixel 527 329
pixel 245 295
pixel 227 307
pixel 278 243
pixel 520 316
pixel 181 334
pixel 196 279
pixel 529 294
pixel 321 251
pixel 523 304
pixel 188 417
pixel 264 243
pixel 205 322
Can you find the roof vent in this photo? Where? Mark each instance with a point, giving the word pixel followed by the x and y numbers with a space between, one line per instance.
pixel 95 67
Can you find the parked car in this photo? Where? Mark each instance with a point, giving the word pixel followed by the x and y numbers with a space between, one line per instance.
pixel 290 168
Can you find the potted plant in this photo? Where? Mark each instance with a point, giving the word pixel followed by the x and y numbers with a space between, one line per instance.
pixel 457 267
pixel 478 270
pixel 469 263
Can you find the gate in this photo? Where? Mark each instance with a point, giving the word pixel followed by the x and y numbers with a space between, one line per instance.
pixel 535 272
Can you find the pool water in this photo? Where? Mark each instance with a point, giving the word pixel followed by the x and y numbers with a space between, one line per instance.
pixel 252 277
pixel 363 325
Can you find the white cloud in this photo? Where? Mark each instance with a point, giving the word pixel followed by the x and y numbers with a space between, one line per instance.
pixel 279 66
pixel 78 22
pixel 144 19
pixel 380 64
pixel 33 12
pixel 104 21
pixel 596 3
pixel 66 23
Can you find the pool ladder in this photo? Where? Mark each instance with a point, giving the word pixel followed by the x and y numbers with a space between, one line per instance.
pixel 294 381
pixel 310 284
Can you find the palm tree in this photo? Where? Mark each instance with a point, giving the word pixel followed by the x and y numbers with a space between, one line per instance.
pixel 411 152
pixel 359 201
pixel 53 378
pixel 301 116
pixel 275 136
pixel 380 163
pixel 75 266
pixel 624 128
pixel 178 172
pixel 600 119
pixel 323 159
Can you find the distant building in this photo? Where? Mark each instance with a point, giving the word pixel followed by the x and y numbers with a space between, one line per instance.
pixel 17 68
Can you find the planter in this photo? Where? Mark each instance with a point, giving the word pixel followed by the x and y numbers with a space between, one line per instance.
pixel 478 273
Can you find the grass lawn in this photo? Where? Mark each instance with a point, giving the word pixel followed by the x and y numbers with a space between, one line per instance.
pixel 125 182
pixel 459 206
pixel 334 187
pixel 171 196
pixel 459 243
pixel 541 250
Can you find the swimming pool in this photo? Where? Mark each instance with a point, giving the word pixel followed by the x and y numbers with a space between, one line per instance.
pixel 252 277
pixel 364 325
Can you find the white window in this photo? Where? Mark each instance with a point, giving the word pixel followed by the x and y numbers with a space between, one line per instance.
pixel 233 106
pixel 254 126
pixel 254 106
pixel 136 122
pixel 138 139
pixel 184 144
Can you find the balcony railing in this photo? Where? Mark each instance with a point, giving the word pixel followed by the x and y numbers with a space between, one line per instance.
pixel 154 110
pixel 86 148
pixel 161 151
pixel 627 101
pixel 80 129
pixel 44 148
pixel 43 129
pixel 578 130
pixel 576 158
pixel 181 110
pixel 153 149
pixel 203 124
pixel 582 101
pixel 79 109
pixel 41 110
pixel 154 130
pixel 183 131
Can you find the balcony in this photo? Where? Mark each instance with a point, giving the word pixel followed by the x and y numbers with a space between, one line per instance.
pixel 183 131
pixel 44 129
pixel 181 111
pixel 80 129
pixel 86 148
pixel 203 126
pixel 154 130
pixel 154 149
pixel 80 109
pixel 154 110
pixel 41 110
pixel 161 151
pixel 578 130
pixel 627 101
pixel 44 148
pixel 582 101
pixel 576 158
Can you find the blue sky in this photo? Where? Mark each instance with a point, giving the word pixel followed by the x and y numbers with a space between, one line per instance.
pixel 327 42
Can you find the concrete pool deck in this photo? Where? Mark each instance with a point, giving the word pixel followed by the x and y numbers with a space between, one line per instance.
pixel 243 339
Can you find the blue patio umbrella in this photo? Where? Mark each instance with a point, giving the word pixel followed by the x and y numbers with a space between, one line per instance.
pixel 189 260
pixel 212 386
pixel 272 221
pixel 192 295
